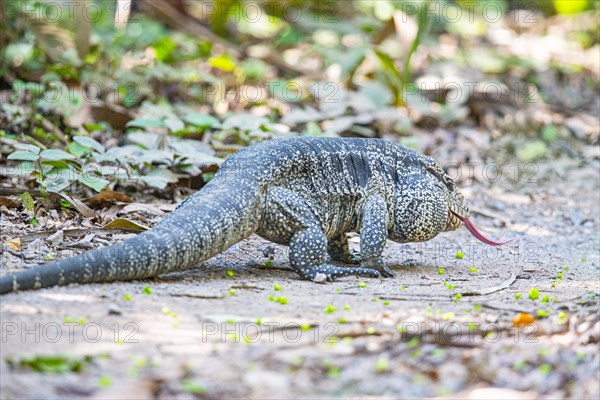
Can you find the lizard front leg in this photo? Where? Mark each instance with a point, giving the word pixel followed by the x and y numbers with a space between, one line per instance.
pixel 373 235
pixel 308 248
pixel 289 216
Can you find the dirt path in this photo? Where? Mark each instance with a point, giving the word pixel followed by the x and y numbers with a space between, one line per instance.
pixel 263 333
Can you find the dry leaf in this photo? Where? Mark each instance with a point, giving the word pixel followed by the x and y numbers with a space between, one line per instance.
pixel 78 205
pixel 108 196
pixel 14 244
pixel 9 202
pixel 523 319
pixel 140 207
pixel 122 223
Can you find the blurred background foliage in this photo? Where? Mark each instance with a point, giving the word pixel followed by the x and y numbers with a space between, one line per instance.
pixel 156 93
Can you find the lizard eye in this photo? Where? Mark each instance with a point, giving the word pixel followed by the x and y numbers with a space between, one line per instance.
pixel 440 174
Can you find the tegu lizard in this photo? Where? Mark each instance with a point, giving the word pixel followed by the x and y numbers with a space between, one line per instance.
pixel 306 193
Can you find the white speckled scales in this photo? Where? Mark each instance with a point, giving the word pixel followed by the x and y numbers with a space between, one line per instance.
pixel 304 192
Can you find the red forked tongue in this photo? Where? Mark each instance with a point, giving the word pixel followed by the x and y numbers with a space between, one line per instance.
pixel 477 234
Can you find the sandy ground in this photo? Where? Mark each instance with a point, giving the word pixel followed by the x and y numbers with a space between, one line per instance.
pixel 205 333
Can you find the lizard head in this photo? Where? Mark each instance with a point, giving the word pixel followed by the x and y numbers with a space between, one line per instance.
pixel 458 210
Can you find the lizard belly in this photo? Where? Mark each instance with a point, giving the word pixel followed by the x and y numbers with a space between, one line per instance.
pixel 288 212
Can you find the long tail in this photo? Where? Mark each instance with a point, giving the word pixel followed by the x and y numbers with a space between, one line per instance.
pixel 206 224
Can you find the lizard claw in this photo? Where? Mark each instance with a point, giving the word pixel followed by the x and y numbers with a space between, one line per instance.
pixel 379 265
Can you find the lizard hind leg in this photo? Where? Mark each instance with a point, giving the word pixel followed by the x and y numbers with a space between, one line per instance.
pixel 308 248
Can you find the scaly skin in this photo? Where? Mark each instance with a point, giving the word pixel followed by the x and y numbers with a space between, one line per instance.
pixel 303 192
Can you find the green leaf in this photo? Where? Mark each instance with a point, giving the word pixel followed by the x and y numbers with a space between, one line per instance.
pixel 56 164
pixel 145 123
pixel 222 62
pixel 92 126
pixel 23 155
pixel 28 201
pixel 29 147
pixel 94 182
pixel 549 132
pixel 532 151
pixel 191 385
pixel 55 363
pixel 312 129
pixel 570 6
pixel 174 124
pixel 76 149
pixel 202 120
pixel 159 178
pixel 56 155
pixel 89 142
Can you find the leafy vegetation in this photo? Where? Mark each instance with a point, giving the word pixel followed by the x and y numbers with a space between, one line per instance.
pixel 119 101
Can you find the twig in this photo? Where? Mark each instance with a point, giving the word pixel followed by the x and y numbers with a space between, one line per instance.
pixel 492 289
pixel 490 214
pixel 515 310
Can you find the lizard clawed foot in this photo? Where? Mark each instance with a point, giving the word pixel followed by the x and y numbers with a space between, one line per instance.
pixel 379 265
pixel 327 272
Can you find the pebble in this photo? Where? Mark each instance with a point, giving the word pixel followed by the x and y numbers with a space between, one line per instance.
pixel 499 205
pixel 114 309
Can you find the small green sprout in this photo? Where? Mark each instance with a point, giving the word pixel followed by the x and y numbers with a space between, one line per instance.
pixel 81 321
pixel 545 299
pixel 229 273
pixel 386 303
pixel 232 292
pixel 371 330
pixel 457 297
pixel 281 300
pixel 449 285
pixel 193 386
pixel 333 371
pixel 441 271
pixel 68 319
pixel 346 307
pixel 104 381
pixel 342 320
pixel 268 263
pixel 147 290
pixel 473 270
pixel 375 299
pixel 305 327
pixel 559 275
pixel 545 368
pixel 330 309
pixel 534 293
pixel 477 307
pixel 543 313
pixel 277 287
pixel 518 296
pixel 448 316
pixel 402 287
pixel 562 317
pixel 362 285
pixel 459 255
pixel 520 365
pixel 127 297
pixel 382 365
